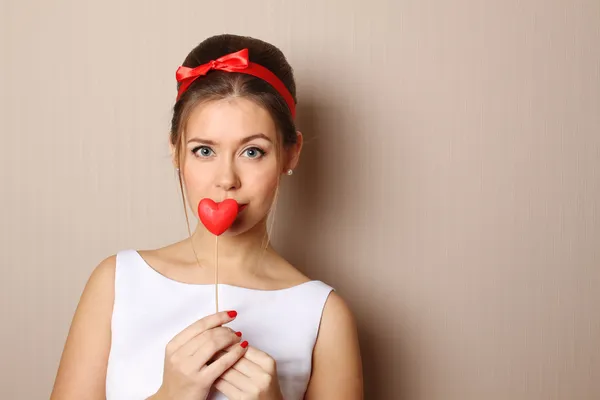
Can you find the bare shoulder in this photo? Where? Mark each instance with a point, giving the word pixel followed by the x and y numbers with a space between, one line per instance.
pixel 280 273
pixel 337 313
pixel 99 288
pixel 82 368
pixel 288 274
pixel 162 255
pixel 337 364
pixel 168 259
pixel 338 319
pixel 103 274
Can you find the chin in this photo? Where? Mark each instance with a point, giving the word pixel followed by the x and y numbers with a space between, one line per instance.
pixel 243 224
pixel 233 231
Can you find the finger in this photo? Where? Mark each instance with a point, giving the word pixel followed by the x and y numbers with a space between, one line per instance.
pixel 249 368
pixel 230 391
pixel 239 380
pixel 215 343
pixel 261 358
pixel 218 367
pixel 208 322
pixel 219 353
pixel 228 349
pixel 197 342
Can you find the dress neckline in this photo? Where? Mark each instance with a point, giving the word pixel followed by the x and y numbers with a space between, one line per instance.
pixel 146 265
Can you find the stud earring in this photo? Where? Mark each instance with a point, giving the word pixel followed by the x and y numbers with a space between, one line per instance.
pixel 290 172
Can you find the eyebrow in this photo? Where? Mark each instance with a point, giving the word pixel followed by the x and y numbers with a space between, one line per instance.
pixel 242 141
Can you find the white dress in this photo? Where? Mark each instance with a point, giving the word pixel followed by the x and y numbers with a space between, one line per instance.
pixel 150 309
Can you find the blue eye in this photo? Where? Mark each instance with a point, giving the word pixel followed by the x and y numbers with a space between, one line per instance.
pixel 254 152
pixel 202 151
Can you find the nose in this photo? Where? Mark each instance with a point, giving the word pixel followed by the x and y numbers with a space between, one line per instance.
pixel 227 178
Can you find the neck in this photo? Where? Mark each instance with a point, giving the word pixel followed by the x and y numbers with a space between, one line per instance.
pixel 235 253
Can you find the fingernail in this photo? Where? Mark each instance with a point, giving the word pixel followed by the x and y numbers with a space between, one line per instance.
pixel 238 334
pixel 244 344
pixel 232 314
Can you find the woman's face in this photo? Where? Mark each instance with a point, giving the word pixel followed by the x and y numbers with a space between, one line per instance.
pixel 231 152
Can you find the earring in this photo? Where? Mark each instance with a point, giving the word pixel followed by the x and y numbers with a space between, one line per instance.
pixel 290 172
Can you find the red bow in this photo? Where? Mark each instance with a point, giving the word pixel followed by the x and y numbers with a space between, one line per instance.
pixel 233 62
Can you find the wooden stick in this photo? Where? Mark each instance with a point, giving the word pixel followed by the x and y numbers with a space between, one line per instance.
pixel 217 267
pixel 217 274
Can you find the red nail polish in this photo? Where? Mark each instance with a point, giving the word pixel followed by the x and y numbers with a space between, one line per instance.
pixel 238 334
pixel 232 314
pixel 244 344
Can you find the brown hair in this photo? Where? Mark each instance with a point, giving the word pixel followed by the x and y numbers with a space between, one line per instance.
pixel 218 85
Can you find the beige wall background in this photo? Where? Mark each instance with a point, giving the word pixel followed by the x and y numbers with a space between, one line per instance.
pixel 449 188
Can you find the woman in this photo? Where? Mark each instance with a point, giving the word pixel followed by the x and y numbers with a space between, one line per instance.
pixel 147 324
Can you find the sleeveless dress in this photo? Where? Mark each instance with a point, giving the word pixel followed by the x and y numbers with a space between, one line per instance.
pixel 149 309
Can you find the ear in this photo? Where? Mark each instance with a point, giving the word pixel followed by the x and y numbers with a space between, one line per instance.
pixel 293 152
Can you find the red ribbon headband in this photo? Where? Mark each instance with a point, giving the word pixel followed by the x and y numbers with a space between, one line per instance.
pixel 234 62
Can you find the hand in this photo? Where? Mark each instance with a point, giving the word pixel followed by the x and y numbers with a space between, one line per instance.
pixel 188 370
pixel 253 377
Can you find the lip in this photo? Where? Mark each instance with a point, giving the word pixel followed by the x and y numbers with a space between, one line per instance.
pixel 242 207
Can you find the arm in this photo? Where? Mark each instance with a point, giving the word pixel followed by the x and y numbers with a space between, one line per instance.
pixel 337 364
pixel 82 369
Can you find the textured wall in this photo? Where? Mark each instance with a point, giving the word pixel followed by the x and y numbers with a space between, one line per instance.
pixel 449 187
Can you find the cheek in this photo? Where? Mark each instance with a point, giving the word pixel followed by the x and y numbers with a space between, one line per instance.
pixel 262 183
pixel 197 177
pixel 196 183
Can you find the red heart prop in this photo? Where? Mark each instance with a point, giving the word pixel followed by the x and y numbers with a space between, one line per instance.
pixel 217 218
